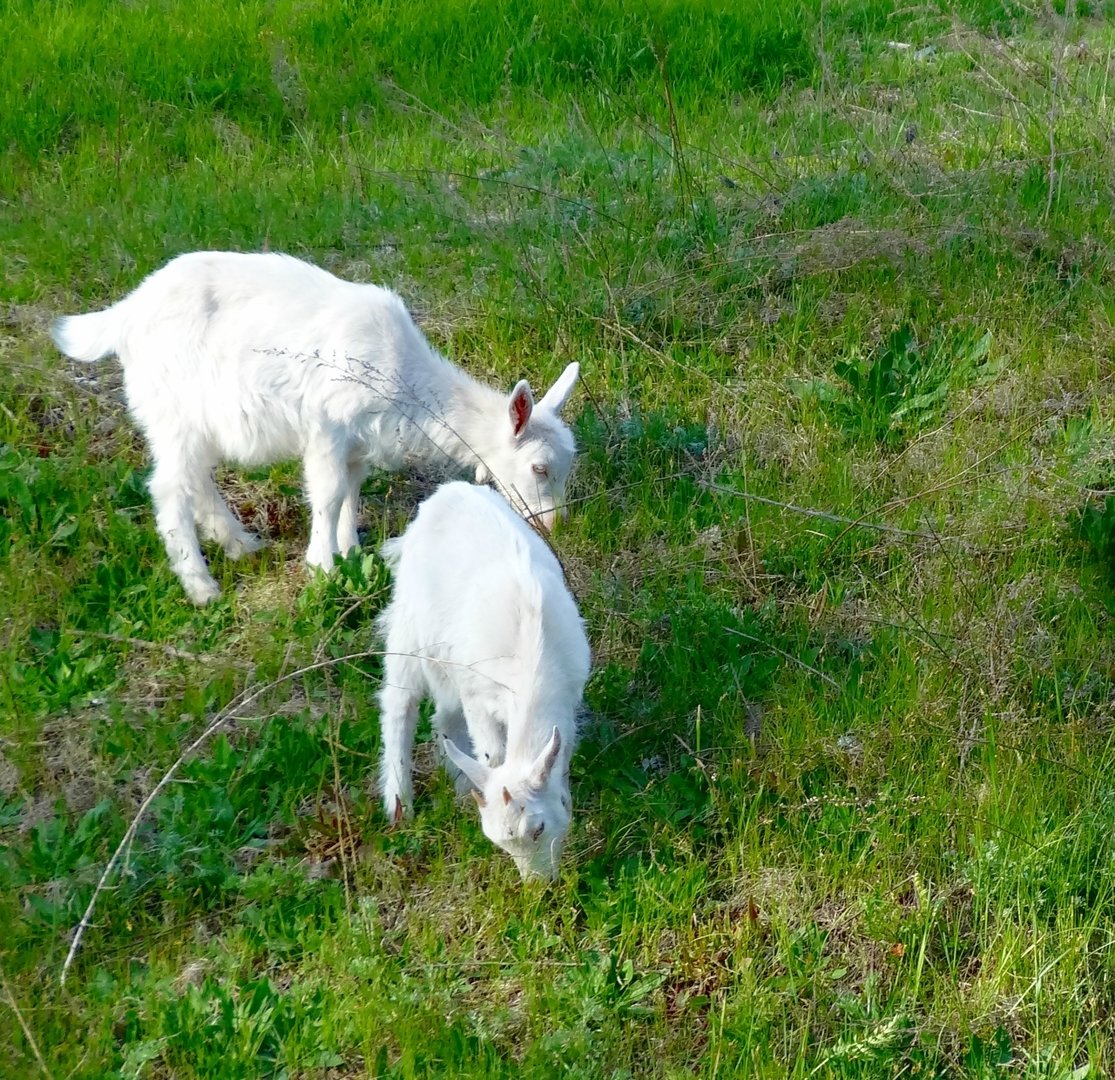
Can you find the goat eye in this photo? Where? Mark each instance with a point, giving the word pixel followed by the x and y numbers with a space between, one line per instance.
pixel 540 470
pixel 538 832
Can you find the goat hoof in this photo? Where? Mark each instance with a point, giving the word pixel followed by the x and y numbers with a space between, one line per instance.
pixel 202 590
pixel 396 809
pixel 248 544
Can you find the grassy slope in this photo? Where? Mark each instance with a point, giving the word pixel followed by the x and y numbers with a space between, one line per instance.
pixel 843 797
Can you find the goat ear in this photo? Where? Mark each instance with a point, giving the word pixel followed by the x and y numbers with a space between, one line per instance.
pixel 544 763
pixel 558 394
pixel 473 769
pixel 520 406
pixel 506 797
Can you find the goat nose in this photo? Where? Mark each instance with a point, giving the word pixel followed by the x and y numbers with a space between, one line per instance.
pixel 530 873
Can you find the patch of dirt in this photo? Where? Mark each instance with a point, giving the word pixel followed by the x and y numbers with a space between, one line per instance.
pixel 264 508
pixel 842 244
pixel 28 318
pixel 9 776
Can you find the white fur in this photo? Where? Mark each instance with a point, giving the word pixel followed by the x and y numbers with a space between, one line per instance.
pixel 258 358
pixel 481 621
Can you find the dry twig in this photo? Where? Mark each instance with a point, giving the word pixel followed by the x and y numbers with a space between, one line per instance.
pixel 242 701
pixel 12 1004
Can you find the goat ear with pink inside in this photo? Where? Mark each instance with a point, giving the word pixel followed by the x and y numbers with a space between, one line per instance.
pixel 520 406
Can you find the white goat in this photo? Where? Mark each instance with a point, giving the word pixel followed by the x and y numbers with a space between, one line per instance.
pixel 258 358
pixel 481 621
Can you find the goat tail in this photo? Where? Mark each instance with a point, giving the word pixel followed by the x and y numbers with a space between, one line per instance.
pixel 88 337
pixel 392 552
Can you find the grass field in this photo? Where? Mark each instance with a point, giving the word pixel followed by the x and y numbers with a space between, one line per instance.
pixel 840 281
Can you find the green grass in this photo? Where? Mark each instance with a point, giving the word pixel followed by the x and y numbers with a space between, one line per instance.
pixel 840 282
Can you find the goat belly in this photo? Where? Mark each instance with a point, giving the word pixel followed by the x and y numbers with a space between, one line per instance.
pixel 253 428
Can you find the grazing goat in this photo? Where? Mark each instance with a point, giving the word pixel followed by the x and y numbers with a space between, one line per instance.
pixel 481 621
pixel 258 358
